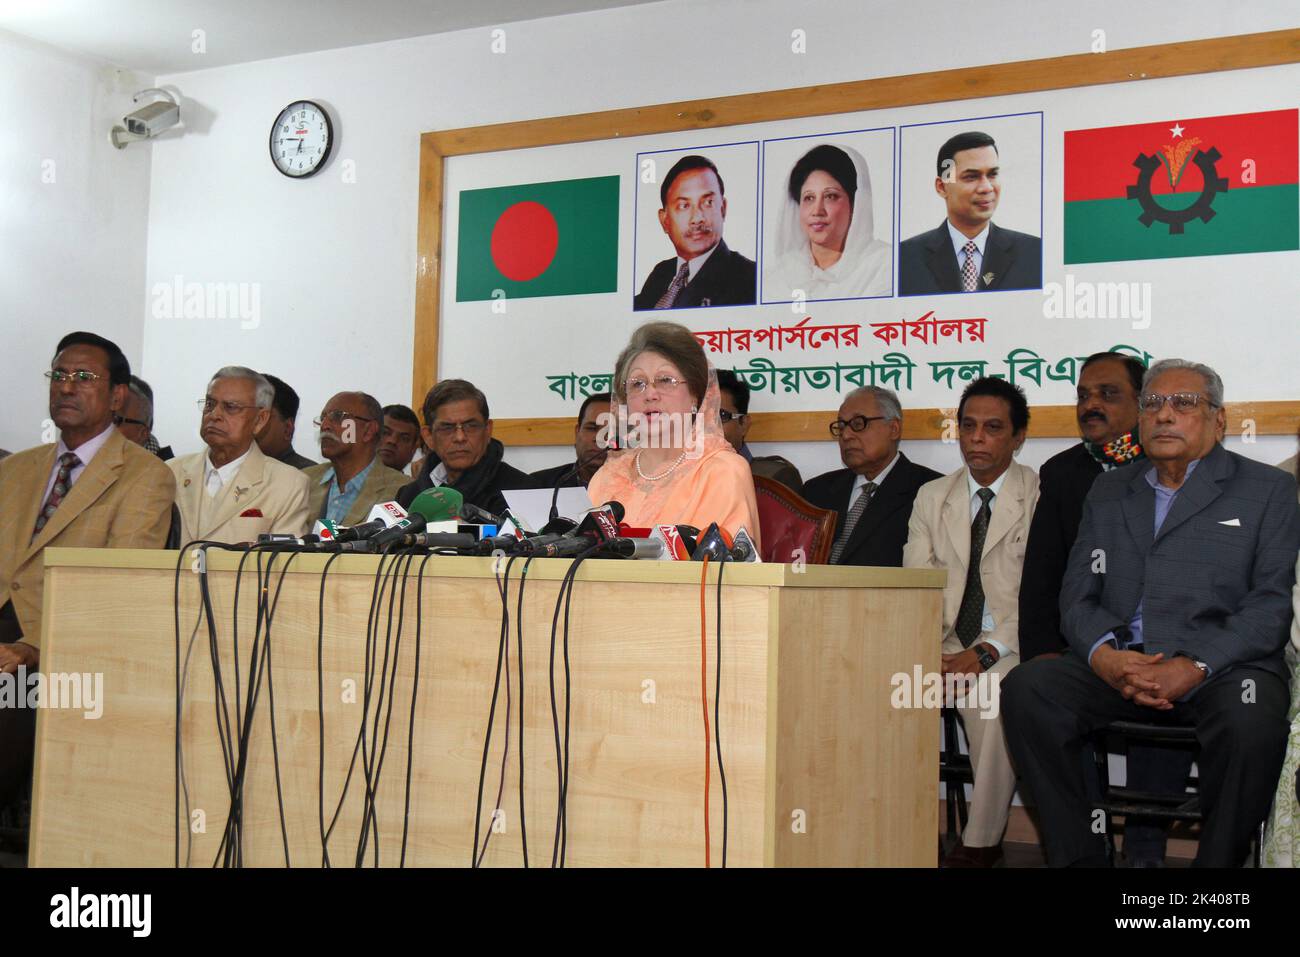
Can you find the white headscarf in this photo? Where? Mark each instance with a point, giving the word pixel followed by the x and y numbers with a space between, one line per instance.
pixel 864 269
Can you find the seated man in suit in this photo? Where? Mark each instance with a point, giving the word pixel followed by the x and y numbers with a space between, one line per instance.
pixel 1107 412
pixel 1176 605
pixel 975 522
pixel 704 272
pixel 465 456
pixel 873 493
pixel 399 439
pixel 353 479
pixel 231 492
pixel 590 456
pixel 91 489
pixel 275 439
pixel 968 252
pixel 734 392
pixel 135 418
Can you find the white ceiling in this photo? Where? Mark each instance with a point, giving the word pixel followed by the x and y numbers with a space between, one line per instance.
pixel 155 36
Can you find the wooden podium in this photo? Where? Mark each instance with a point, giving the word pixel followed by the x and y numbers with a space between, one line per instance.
pixel 821 769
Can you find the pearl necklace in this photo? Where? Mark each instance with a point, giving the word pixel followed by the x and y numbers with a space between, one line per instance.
pixel 662 475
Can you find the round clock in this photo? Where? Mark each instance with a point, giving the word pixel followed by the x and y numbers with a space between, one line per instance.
pixel 301 139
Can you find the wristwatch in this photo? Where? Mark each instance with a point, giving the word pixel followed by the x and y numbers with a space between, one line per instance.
pixel 986 655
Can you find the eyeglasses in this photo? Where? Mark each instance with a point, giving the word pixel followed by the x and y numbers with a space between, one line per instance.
pixel 728 416
pixel 448 429
pixel 1152 402
pixel 120 420
pixel 80 378
pixel 230 408
pixel 857 424
pixel 338 417
pixel 665 383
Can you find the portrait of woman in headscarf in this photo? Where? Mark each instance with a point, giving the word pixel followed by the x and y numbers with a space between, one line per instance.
pixel 825 240
pixel 677 466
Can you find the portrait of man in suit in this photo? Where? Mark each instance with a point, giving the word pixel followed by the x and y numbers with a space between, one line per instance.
pixel 1176 604
pixel 968 252
pixel 873 494
pixel 704 272
pixel 974 523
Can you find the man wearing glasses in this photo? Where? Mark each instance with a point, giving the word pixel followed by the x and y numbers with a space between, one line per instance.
pixel 873 493
pixel 232 492
pixel 463 453
pixel 1176 604
pixel 135 418
pixel 734 393
pixel 353 479
pixel 90 489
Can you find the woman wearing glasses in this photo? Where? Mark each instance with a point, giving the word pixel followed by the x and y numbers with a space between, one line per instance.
pixel 673 465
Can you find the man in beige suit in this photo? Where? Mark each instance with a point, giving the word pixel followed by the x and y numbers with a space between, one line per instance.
pixel 981 509
pixel 91 489
pixel 232 492
pixel 354 478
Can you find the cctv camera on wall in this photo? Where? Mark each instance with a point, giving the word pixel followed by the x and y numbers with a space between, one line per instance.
pixel 148 121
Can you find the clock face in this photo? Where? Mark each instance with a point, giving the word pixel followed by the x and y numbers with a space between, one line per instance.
pixel 301 139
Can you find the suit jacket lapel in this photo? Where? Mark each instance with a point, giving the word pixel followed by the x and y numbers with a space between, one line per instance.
pixel 1008 507
pixel 999 255
pixel 245 484
pixel 696 288
pixel 955 515
pixel 37 475
pixel 941 259
pixel 1198 491
pixel 368 494
pixel 102 472
pixel 1139 508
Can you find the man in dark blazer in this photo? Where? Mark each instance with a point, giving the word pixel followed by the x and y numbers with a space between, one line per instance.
pixel 588 452
pixel 1176 605
pixel 868 429
pixel 968 252
pixel 693 208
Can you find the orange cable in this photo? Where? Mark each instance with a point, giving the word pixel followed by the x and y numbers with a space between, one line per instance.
pixel 704 699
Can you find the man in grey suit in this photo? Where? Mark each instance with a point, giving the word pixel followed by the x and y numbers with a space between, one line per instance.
pixel 1176 604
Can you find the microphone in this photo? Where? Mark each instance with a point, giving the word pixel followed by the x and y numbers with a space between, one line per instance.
pixel 438 540
pixel 439 504
pixel 678 540
pixel 715 543
pixel 382 516
pixel 742 549
pixel 479 516
pixel 646 548
pixel 323 531
pixel 394 534
pixel 601 522
pixel 555 492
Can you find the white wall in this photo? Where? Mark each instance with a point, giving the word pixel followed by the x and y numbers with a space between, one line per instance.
pixel 334 262
pixel 73 220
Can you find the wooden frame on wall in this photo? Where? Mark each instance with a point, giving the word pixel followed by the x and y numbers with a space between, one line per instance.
pixel 1027 76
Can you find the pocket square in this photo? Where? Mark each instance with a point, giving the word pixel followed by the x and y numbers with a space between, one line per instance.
pixel 1234 522
pixel 257 513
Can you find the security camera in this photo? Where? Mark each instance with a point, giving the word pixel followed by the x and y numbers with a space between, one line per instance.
pixel 153 119
pixel 150 120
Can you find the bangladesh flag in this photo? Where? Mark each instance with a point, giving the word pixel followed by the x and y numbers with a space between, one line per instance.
pixel 1192 187
pixel 538 239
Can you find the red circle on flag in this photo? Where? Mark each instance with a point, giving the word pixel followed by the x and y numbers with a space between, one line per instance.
pixel 524 241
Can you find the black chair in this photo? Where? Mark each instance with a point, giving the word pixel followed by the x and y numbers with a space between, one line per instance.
pixel 1185 806
pixel 955 772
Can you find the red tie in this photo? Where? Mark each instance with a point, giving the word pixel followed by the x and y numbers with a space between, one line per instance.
pixel 62 482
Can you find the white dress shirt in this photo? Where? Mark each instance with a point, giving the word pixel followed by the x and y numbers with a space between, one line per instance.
pixel 986 624
pixel 959 241
pixel 215 479
pixel 860 481
pixel 86 451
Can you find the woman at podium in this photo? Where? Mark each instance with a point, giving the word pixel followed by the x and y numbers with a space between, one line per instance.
pixel 669 462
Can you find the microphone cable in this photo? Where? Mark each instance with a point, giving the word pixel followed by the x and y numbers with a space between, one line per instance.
pixel 704 701
pixel 270 692
pixel 519 651
pixel 415 691
pixel 320 709
pixel 503 587
pixel 717 724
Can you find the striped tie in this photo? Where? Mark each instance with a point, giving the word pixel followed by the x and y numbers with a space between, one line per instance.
pixel 969 280
pixel 674 288
pixel 67 462
pixel 851 521
pixel 970 616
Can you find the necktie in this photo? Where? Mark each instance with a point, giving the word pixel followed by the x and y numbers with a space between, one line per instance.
pixel 969 279
pixel 674 288
pixel 970 617
pixel 851 521
pixel 62 482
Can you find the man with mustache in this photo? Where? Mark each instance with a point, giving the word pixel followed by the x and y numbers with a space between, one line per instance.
pixel 704 272
pixel 93 488
pixel 232 492
pixel 1176 605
